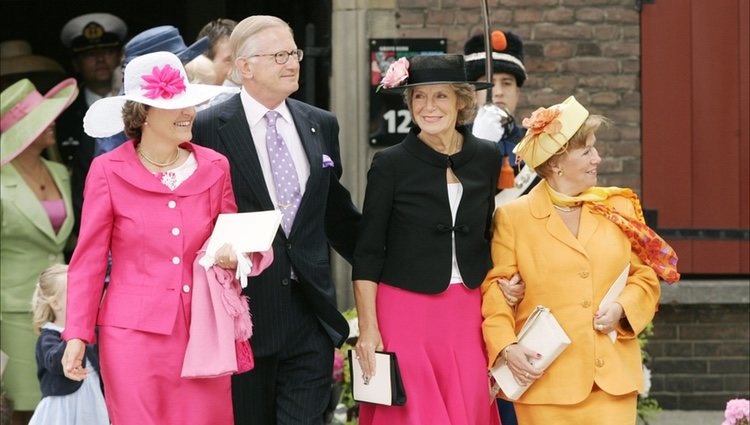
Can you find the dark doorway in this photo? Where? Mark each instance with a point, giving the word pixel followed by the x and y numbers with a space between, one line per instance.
pixel 39 22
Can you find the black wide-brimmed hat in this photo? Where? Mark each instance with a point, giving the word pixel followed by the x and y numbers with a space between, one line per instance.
pixel 428 69
pixel 507 56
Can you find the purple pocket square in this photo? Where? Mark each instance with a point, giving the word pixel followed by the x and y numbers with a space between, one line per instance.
pixel 327 161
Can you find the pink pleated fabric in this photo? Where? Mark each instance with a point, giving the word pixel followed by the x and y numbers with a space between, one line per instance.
pixel 438 342
pixel 142 383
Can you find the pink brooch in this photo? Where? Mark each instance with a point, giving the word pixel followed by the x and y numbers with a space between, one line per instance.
pixel 396 74
pixel 543 120
pixel 163 83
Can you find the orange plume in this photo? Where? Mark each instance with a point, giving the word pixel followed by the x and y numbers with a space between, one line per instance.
pixel 499 42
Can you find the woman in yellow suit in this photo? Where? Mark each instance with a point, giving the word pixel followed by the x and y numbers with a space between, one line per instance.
pixel 570 241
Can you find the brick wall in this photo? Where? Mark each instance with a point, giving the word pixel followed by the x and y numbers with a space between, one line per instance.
pixel 586 48
pixel 700 355
pixel 591 49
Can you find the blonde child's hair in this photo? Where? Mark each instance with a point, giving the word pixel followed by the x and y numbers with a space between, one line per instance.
pixel 52 283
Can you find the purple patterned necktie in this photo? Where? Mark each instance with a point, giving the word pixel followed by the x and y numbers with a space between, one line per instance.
pixel 285 178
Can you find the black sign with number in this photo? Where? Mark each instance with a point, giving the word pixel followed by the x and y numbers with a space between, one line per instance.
pixel 389 117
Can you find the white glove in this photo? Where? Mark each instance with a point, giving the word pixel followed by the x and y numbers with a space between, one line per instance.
pixel 488 124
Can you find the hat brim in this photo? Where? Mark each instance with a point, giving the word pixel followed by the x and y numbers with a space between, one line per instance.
pixel 196 49
pixel 478 85
pixel 23 133
pixel 104 117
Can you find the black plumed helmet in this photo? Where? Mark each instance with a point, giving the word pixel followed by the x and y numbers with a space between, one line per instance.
pixel 507 56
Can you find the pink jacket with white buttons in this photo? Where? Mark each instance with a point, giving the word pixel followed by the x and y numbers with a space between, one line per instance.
pixel 154 235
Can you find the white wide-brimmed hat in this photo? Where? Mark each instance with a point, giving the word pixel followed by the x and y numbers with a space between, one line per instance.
pixel 155 79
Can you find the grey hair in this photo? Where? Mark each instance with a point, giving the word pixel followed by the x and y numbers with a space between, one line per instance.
pixel 242 40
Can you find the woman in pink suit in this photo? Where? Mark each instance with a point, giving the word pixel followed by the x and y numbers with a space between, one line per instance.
pixel 152 204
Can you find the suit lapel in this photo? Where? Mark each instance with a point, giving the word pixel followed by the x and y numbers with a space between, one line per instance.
pixel 309 133
pixel 588 225
pixel 234 134
pixel 27 203
pixel 541 207
pixel 62 180
pixel 125 164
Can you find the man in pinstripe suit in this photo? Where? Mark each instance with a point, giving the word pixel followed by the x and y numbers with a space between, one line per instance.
pixel 293 302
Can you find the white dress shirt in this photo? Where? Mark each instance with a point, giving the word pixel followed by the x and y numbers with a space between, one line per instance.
pixel 255 112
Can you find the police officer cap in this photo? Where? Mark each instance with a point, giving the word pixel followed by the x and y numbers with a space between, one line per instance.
pixel 93 31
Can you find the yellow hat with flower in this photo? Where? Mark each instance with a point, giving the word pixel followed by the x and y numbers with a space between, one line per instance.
pixel 548 130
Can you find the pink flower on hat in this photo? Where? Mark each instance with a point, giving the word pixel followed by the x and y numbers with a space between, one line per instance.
pixel 164 83
pixel 396 74
pixel 543 120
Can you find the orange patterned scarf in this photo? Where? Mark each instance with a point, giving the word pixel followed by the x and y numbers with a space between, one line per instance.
pixel 647 245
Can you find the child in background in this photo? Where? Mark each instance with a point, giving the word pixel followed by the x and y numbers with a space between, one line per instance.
pixel 64 401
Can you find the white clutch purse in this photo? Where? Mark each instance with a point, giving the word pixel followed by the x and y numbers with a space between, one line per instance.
pixel 541 333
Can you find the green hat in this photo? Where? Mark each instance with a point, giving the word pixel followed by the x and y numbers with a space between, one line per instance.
pixel 25 114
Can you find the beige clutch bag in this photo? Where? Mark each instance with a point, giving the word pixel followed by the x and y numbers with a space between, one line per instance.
pixel 541 333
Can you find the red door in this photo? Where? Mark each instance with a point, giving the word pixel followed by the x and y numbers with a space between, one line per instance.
pixel 695 94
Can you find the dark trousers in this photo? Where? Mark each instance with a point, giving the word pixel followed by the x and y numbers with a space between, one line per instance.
pixel 294 385
pixel 507 412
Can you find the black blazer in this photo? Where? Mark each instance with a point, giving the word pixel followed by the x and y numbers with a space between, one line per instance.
pixel 49 353
pixel 326 215
pixel 405 234
pixel 77 150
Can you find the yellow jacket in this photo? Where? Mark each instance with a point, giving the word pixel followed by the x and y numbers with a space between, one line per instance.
pixel 570 276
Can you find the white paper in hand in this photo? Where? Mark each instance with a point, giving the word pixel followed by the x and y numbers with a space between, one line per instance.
pixel 613 293
pixel 246 232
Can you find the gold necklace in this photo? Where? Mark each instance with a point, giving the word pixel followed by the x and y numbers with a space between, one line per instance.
pixel 566 209
pixel 156 163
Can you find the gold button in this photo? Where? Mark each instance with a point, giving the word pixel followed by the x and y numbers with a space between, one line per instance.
pixel 584 274
pixel 586 304
pixel 599 362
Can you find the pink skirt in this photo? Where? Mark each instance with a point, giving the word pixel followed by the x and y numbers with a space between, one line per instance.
pixel 142 384
pixel 438 343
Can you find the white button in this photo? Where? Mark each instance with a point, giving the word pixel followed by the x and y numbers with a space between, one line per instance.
pixel 186 288
pixel 175 260
pixel 175 231
pixel 172 204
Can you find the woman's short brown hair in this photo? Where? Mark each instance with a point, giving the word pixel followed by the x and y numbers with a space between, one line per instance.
pixel 464 93
pixel 590 126
pixel 134 116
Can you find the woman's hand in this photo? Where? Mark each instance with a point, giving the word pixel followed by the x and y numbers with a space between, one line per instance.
pixel 369 341
pixel 72 360
pixel 226 258
pixel 513 289
pixel 607 317
pixel 517 357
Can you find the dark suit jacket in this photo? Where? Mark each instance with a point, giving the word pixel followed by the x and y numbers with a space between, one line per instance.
pixel 405 234
pixel 326 215
pixel 77 150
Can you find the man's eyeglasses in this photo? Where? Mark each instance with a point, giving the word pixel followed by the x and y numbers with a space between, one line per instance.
pixel 282 57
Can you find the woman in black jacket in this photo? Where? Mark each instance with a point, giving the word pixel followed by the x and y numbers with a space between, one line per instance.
pixel 423 250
